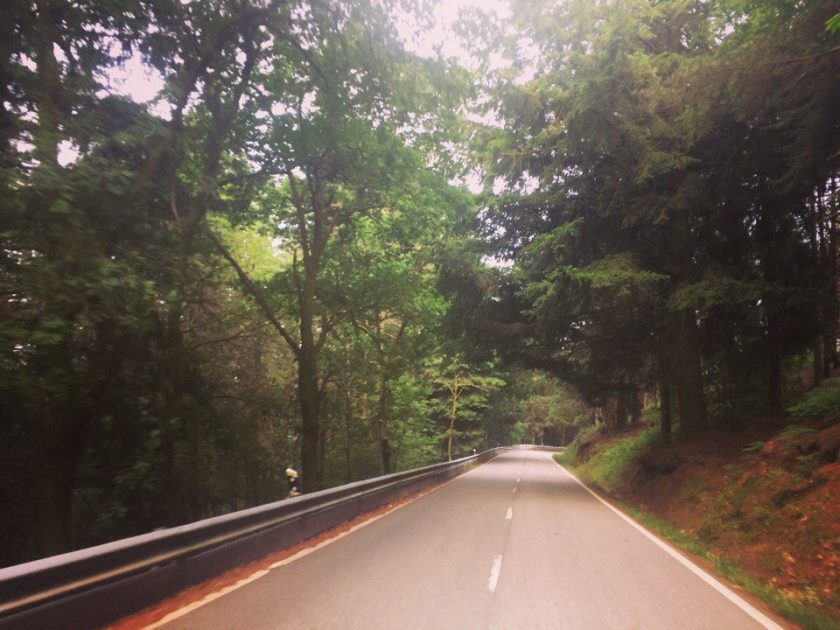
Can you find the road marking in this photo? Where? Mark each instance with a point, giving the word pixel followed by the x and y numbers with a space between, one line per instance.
pixel 741 603
pixel 509 514
pixel 518 479
pixel 207 599
pixel 514 491
pixel 493 582
pixel 176 614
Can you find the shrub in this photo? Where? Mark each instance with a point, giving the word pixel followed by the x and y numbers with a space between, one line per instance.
pixel 820 402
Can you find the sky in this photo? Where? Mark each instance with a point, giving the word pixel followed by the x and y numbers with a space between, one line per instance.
pixel 446 15
pixel 142 84
pixel 136 80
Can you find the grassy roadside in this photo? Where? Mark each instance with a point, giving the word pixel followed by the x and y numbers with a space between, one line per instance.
pixel 604 471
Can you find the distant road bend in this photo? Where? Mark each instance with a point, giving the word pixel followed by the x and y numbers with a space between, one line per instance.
pixel 515 543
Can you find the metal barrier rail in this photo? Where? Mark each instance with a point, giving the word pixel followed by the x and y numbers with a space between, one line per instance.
pixel 96 586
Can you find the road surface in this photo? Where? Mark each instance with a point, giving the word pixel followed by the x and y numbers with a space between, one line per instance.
pixel 515 543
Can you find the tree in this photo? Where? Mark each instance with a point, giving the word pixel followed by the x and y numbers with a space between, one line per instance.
pixel 332 133
pixel 465 393
pixel 648 208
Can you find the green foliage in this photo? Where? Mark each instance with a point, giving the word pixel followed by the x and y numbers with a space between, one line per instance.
pixel 141 383
pixel 821 402
pixel 518 432
pixel 753 447
pixel 645 253
pixel 415 437
pixel 619 272
pixel 606 466
pixel 464 392
pixel 569 456
pixel 793 432
pixel 833 24
pixel 548 412
pixel 269 264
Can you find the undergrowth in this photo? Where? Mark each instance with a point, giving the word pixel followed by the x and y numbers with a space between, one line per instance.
pixel 605 467
pixel 820 402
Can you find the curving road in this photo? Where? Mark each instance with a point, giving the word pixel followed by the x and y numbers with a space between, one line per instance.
pixel 515 543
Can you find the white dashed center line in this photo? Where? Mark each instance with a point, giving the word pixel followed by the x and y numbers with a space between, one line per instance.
pixel 493 582
pixel 509 514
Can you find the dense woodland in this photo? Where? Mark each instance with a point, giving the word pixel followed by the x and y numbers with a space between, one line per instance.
pixel 277 261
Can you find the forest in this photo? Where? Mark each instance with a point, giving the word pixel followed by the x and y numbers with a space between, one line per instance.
pixel 324 245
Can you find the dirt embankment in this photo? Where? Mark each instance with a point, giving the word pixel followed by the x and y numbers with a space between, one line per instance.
pixel 767 499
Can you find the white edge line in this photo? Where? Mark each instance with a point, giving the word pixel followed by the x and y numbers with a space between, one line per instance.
pixel 748 608
pixel 495 572
pixel 207 599
pixel 176 614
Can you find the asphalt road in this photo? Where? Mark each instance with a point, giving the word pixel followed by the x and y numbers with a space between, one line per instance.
pixel 515 543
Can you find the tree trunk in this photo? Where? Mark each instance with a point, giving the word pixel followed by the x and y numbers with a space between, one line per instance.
pixel 380 428
pixel 308 396
pixel 829 353
pixel 834 298
pixel 620 411
pixel 665 402
pixel 819 364
pixel 636 406
pixel 831 359
pixel 52 497
pixel 665 410
pixel 174 384
pixel 611 414
pixel 323 464
pixel 49 95
pixel 52 493
pixel 348 422
pixel 774 369
pixel 55 443
pixel 688 375
pixel 309 399
pixel 61 442
pixel 452 415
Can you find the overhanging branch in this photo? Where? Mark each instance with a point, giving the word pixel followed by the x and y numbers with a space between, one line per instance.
pixel 256 293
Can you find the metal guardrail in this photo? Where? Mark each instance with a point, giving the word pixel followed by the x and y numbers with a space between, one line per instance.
pixel 96 586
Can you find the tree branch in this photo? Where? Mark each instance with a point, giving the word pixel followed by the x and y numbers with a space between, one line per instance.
pixel 819 55
pixel 256 293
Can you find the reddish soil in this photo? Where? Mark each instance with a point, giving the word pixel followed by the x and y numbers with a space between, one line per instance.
pixel 157 612
pixel 767 499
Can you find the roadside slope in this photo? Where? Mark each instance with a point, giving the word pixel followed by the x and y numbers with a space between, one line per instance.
pixel 761 506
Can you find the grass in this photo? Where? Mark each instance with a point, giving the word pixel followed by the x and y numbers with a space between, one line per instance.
pixel 605 467
pixel 604 471
pixel 567 457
